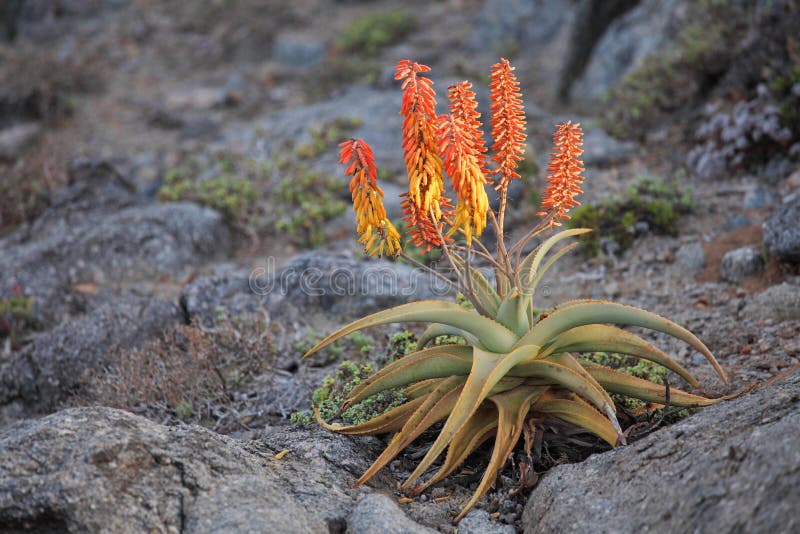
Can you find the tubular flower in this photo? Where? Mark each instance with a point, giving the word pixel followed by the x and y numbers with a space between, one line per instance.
pixel 424 203
pixel 462 163
pixel 508 122
pixel 564 172
pixel 377 233
pixel 464 108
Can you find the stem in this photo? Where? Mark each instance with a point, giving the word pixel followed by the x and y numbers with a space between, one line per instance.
pixel 424 267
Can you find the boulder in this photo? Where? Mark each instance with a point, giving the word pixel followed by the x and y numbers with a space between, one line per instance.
pixel 137 243
pixel 738 264
pixel 779 302
pixel 313 285
pixel 380 513
pixel 782 232
pixel 100 469
pixel 43 373
pixel 731 467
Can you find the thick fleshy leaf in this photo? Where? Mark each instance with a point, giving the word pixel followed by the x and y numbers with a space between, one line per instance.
pixel 436 329
pixel 604 338
pixel 632 386
pixel 437 406
pixel 422 388
pixel 435 362
pixel 529 287
pixel 391 421
pixel 512 407
pixel 473 434
pixel 492 334
pixel 599 312
pixel 529 267
pixel 578 413
pixel 513 313
pixel 567 360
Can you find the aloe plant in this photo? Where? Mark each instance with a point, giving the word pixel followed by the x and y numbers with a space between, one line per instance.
pixel 515 365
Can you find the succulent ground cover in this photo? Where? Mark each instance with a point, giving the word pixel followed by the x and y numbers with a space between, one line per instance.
pixel 512 366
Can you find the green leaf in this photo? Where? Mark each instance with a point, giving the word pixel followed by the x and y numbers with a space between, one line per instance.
pixel 436 329
pixel 491 333
pixel 529 267
pixel 390 421
pixel 513 313
pixel 632 386
pixel 598 312
pixel 604 338
pixel 435 362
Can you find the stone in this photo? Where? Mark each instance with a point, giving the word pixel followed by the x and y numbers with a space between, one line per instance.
pixel 197 99
pixel 313 285
pixel 781 302
pixel 690 257
pixel 600 149
pixel 45 372
pixel 132 244
pixel 643 30
pixel 738 264
pixel 479 522
pixel 782 232
pixel 731 467
pixel 14 140
pixel 380 513
pixel 759 197
pixel 297 51
pixel 101 469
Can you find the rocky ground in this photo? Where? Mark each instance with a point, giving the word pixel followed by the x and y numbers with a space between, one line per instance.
pixel 167 169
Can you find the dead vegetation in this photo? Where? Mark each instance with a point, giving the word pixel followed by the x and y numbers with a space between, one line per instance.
pixel 191 374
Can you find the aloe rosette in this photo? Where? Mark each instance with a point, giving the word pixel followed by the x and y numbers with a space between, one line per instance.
pixel 514 365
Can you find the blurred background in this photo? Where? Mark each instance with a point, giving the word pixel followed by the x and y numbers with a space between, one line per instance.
pixel 153 152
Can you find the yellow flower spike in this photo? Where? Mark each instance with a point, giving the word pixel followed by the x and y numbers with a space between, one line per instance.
pixel 376 231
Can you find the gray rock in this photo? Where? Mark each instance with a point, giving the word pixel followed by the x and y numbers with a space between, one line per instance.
pixel 380 513
pixel 100 469
pixel 730 468
pixel 628 40
pixel 479 522
pixel 298 51
pixel 197 98
pixel 44 372
pixel 782 232
pixel 134 243
pixel 602 150
pixel 311 286
pixel 759 197
pixel 691 257
pixel 376 109
pixel 738 264
pixel 780 302
pixel 15 139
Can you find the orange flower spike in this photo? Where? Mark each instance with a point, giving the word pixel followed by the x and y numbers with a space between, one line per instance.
pixel 564 173
pixel 464 108
pixel 375 230
pixel 462 163
pixel 508 122
pixel 424 204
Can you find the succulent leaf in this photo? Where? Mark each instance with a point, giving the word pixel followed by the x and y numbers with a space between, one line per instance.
pixel 530 265
pixel 491 333
pixel 578 413
pixel 599 312
pixel 604 338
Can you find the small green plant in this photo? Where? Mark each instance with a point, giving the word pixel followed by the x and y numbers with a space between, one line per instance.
pixel 370 33
pixel 309 200
pixel 364 343
pixel 657 204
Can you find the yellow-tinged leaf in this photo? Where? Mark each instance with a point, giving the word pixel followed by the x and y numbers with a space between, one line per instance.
pixel 281 454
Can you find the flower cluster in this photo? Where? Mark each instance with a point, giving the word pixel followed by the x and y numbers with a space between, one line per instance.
pixel 508 122
pixel 376 231
pixel 424 204
pixel 564 173
pixel 463 151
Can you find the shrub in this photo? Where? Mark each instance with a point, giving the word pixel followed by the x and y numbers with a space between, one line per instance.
pixel 370 33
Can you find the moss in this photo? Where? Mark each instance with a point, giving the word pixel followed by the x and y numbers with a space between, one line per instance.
pixel 633 366
pixel 17 306
pixel 301 419
pixel 308 201
pixel 370 33
pixel 364 343
pixel 400 344
pixel 335 388
pixel 660 204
